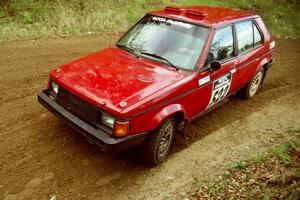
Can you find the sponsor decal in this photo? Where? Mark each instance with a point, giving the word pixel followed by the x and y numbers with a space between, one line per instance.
pixel 233 71
pixel 172 22
pixel 204 80
pixel 272 45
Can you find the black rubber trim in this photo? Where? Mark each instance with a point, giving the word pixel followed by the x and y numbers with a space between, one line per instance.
pixel 97 136
pixel 269 65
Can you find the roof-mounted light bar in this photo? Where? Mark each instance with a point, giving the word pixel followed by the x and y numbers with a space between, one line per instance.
pixel 188 13
pixel 174 9
pixel 195 14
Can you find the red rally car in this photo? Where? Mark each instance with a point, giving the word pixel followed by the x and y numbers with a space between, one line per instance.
pixel 174 65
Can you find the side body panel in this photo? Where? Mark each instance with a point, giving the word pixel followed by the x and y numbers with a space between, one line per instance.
pixel 248 63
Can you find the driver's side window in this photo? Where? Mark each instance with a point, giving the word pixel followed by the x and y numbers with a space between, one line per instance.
pixel 222 45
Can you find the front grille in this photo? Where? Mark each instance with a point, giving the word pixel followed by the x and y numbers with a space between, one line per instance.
pixel 77 106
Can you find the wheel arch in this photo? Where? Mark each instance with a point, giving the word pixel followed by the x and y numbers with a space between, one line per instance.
pixel 263 65
pixel 174 110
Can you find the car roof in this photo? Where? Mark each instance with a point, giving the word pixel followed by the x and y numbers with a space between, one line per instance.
pixel 205 15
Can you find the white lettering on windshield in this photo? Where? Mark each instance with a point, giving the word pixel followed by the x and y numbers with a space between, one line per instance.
pixel 173 22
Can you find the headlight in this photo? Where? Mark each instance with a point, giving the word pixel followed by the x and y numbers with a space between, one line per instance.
pixel 107 120
pixel 54 87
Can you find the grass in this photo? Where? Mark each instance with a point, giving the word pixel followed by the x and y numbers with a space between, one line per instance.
pixel 282 153
pixel 46 18
pixel 273 174
pixel 238 165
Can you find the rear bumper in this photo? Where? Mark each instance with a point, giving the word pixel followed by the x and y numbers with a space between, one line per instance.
pixel 95 135
pixel 269 65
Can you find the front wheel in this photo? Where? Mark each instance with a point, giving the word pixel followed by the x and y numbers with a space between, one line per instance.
pixel 158 145
pixel 252 87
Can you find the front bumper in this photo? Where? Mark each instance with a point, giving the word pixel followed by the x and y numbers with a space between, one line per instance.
pixel 94 135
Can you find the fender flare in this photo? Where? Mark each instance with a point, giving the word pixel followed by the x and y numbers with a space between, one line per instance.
pixel 261 64
pixel 166 112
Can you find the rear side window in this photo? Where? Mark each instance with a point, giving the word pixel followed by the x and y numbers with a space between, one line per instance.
pixel 222 44
pixel 244 35
pixel 257 36
pixel 248 35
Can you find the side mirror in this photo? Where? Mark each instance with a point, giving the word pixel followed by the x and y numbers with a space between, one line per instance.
pixel 215 65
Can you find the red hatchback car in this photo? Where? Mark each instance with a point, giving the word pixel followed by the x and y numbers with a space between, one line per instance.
pixel 174 65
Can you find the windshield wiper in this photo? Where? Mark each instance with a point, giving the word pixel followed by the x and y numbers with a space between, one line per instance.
pixel 128 49
pixel 159 57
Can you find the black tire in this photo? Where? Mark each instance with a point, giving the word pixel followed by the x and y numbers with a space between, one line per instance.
pixel 252 86
pixel 154 149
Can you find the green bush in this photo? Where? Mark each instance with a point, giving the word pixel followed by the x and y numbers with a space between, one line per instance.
pixel 44 18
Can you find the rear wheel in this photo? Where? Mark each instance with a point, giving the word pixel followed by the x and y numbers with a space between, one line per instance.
pixel 159 143
pixel 252 87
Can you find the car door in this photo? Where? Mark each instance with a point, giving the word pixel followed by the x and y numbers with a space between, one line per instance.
pixel 249 48
pixel 216 85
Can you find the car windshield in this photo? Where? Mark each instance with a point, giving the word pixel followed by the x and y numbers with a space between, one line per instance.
pixel 172 42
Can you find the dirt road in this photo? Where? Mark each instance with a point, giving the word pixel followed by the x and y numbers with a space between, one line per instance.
pixel 40 156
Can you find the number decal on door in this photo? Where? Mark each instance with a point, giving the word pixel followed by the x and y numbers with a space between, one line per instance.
pixel 220 89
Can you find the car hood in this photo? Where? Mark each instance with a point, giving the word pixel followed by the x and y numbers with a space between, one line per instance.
pixel 114 79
